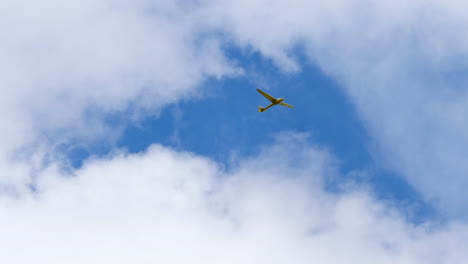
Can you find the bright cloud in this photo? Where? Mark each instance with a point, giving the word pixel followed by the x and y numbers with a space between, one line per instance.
pixel 64 63
pixel 65 66
pixel 166 206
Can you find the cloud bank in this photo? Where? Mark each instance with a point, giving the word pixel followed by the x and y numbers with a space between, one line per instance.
pixel 67 66
pixel 176 207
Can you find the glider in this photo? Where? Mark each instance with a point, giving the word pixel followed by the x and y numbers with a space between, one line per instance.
pixel 273 101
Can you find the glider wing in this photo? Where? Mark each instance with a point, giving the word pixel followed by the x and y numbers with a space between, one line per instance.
pixel 285 104
pixel 267 96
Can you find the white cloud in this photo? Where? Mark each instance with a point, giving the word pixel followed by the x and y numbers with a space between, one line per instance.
pixel 62 62
pixel 65 66
pixel 173 207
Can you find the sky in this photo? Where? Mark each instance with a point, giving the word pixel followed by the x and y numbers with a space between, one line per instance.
pixel 131 131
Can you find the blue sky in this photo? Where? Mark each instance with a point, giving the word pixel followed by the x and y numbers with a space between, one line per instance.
pixel 224 125
pixel 133 128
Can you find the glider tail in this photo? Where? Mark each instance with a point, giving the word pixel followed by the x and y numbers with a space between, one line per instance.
pixel 261 109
